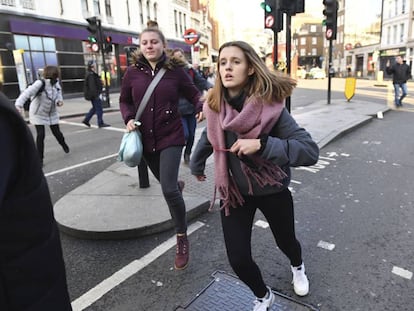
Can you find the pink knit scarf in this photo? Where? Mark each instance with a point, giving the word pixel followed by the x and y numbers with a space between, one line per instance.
pixel 255 118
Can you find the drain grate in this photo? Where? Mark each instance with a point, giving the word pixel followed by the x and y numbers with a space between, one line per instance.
pixel 227 293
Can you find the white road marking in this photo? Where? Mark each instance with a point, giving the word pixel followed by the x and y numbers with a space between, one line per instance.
pixel 326 245
pixel 262 224
pixel 110 128
pixel 126 272
pixel 402 272
pixel 80 165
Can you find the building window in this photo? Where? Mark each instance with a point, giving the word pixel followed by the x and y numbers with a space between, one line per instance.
pixel 394 35
pixel 148 11
pixel 28 4
pixel 314 41
pixel 403 7
pixel 313 28
pixel 128 13
pixel 302 41
pixel 96 7
pixel 176 23
pixel 85 6
pixel 314 51
pixel 108 10
pixel 302 52
pixel 401 32
pixel 38 53
pixel 141 14
pixel 8 2
pixel 388 35
pixel 155 11
pixel 180 19
pixel 396 8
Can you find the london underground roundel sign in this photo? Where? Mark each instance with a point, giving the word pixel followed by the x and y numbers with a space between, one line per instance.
pixel 191 36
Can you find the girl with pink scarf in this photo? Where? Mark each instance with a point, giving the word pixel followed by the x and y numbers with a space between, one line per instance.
pixel 255 141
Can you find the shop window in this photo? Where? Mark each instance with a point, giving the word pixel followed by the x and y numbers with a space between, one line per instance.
pixel 38 53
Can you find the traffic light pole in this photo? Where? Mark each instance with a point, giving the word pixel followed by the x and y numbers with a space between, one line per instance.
pixel 288 53
pixel 107 102
pixel 329 71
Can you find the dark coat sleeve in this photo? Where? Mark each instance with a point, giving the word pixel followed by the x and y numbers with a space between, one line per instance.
pixel 201 83
pixel 200 155
pixel 290 144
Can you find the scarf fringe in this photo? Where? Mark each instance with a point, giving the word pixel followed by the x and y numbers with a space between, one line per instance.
pixel 230 196
pixel 268 174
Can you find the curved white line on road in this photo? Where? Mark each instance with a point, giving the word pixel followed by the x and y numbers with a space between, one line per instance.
pixel 80 165
pixel 94 294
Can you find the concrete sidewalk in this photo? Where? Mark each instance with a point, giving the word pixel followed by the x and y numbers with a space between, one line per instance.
pixel 112 206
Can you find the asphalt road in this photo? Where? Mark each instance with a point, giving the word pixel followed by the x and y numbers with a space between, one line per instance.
pixel 357 199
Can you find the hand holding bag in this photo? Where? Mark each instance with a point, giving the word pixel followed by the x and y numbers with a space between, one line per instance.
pixel 131 149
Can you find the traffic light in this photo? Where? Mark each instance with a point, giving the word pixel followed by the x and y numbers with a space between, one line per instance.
pixel 93 24
pixel 331 13
pixel 93 44
pixel 108 44
pixel 292 7
pixel 273 16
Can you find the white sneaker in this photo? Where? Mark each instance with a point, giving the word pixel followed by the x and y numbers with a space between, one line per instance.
pixel 264 304
pixel 300 280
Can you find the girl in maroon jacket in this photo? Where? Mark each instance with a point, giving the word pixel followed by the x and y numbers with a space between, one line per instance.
pixel 161 126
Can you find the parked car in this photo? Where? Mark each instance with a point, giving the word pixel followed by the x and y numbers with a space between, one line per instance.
pixel 316 73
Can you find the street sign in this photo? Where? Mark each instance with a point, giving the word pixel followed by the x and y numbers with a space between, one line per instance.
pixel 269 21
pixel 191 36
pixel 350 84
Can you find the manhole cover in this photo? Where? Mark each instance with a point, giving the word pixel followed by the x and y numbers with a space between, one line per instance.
pixel 227 292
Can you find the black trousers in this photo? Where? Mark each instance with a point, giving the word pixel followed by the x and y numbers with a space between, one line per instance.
pixel 40 139
pixel 237 228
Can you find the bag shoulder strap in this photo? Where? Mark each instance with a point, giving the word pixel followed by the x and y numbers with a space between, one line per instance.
pixel 148 92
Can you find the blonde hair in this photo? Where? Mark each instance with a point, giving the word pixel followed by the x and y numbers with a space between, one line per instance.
pixel 263 84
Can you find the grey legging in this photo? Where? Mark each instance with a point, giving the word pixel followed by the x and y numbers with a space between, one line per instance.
pixel 165 165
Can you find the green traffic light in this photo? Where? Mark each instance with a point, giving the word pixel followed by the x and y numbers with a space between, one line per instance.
pixel 92 39
pixel 266 7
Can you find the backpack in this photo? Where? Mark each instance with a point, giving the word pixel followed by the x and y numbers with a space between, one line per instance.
pixel 27 103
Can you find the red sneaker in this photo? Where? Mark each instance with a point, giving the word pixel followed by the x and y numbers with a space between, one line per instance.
pixel 182 252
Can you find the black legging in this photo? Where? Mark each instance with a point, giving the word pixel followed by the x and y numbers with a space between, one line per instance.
pixel 237 227
pixel 165 165
pixel 40 139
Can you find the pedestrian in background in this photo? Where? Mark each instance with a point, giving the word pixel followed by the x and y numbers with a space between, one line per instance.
pixel 161 126
pixel 32 270
pixel 400 72
pixel 185 107
pixel 255 142
pixel 43 109
pixel 92 89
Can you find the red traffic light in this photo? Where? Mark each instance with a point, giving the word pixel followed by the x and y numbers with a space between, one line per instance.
pixel 108 39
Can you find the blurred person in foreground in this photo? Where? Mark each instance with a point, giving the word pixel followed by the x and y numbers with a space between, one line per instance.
pixel 187 109
pixel 255 141
pixel 32 271
pixel 161 127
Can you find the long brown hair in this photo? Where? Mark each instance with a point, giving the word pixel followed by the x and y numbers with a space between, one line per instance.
pixel 263 83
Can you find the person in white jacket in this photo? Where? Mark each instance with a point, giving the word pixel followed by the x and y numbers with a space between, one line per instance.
pixel 43 109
